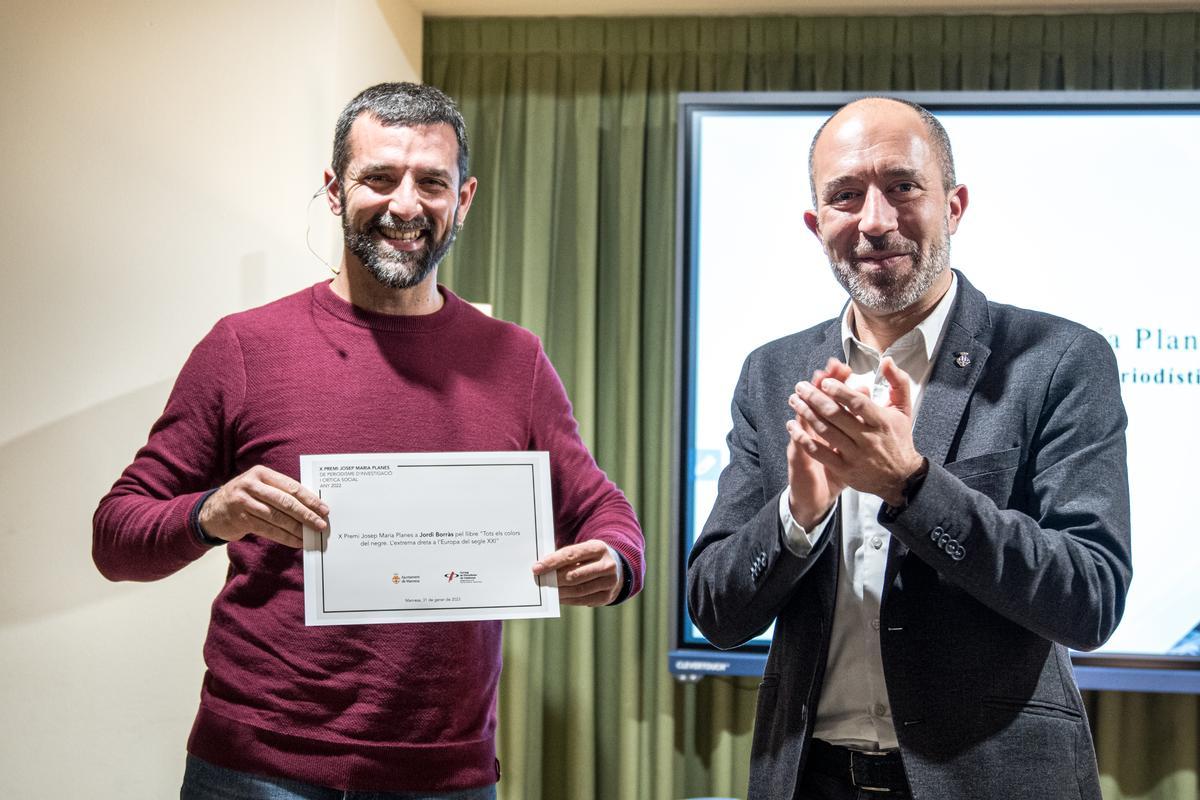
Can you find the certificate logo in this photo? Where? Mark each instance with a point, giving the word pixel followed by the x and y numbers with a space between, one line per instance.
pixel 450 576
pixel 396 577
pixel 461 577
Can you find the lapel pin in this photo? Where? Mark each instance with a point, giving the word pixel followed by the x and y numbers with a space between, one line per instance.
pixel 963 359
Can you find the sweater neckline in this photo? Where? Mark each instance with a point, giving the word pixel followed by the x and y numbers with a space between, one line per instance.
pixel 325 298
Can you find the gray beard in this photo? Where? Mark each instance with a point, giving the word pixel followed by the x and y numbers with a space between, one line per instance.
pixel 395 269
pixel 887 293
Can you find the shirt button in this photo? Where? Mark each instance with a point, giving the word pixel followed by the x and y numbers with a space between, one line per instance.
pixel 875 624
pixel 879 710
pixel 877 542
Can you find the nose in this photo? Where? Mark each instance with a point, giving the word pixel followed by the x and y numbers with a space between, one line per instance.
pixel 405 202
pixel 878 214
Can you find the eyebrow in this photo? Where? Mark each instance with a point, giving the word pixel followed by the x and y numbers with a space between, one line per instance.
pixel 837 184
pixel 434 172
pixel 376 167
pixel 903 173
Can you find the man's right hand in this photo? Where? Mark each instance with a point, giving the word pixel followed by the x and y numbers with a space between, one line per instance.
pixel 265 503
pixel 812 489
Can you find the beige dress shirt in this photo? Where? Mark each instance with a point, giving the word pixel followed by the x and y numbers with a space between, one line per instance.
pixel 854 710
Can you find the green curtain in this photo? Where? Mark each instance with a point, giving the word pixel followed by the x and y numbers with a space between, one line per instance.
pixel 572 235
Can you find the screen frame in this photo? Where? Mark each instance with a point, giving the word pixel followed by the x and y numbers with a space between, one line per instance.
pixel 688 660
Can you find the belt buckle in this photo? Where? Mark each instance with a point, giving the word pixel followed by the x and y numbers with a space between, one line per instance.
pixel 853 779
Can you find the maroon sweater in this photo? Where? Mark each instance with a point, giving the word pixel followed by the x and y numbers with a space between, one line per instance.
pixel 406 707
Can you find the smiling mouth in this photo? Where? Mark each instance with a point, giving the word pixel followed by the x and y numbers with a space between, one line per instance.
pixel 886 259
pixel 397 235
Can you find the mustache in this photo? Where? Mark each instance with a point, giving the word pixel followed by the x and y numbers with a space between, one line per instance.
pixel 888 243
pixel 389 220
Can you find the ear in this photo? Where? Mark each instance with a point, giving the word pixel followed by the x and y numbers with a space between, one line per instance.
pixel 333 193
pixel 812 223
pixel 466 193
pixel 956 206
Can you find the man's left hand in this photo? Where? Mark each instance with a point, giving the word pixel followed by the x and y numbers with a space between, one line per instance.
pixel 587 574
pixel 869 447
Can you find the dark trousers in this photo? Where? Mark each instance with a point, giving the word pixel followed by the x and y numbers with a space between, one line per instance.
pixel 205 781
pixel 815 786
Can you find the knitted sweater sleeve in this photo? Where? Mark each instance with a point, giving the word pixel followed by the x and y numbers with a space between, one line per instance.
pixel 587 504
pixel 143 528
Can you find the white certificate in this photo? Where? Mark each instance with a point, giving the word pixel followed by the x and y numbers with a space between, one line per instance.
pixel 428 537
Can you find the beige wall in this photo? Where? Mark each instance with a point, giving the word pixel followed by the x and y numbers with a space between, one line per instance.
pixel 158 160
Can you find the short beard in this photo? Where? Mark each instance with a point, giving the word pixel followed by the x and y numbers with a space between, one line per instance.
pixel 396 269
pixel 887 292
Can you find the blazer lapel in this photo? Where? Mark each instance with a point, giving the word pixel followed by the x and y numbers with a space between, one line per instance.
pixel 808 361
pixel 957 365
pixel 831 346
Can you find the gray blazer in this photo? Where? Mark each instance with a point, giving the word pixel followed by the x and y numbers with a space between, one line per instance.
pixel 1015 547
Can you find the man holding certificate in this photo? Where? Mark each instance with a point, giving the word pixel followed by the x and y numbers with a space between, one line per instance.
pixel 383 381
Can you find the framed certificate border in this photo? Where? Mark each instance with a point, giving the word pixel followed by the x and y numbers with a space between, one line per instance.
pixel 429 537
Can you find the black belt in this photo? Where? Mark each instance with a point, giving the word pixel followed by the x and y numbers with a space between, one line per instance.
pixel 870 771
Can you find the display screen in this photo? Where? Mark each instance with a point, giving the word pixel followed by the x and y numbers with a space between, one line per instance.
pixel 1077 207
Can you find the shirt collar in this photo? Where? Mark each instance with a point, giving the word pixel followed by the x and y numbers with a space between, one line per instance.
pixel 928 332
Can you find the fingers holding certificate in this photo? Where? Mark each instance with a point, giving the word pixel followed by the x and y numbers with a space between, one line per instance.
pixel 429 537
pixel 588 573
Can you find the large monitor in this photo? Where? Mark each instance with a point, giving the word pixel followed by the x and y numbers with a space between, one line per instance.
pixel 1080 205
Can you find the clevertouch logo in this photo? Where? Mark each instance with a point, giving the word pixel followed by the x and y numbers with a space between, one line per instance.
pixel 702 666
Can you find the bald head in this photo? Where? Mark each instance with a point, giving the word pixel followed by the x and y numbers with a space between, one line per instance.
pixel 892 111
pixel 885 205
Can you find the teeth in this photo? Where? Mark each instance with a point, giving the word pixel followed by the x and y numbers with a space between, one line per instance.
pixel 404 236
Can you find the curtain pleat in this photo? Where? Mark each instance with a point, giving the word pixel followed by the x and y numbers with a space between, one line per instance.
pixel 573 235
